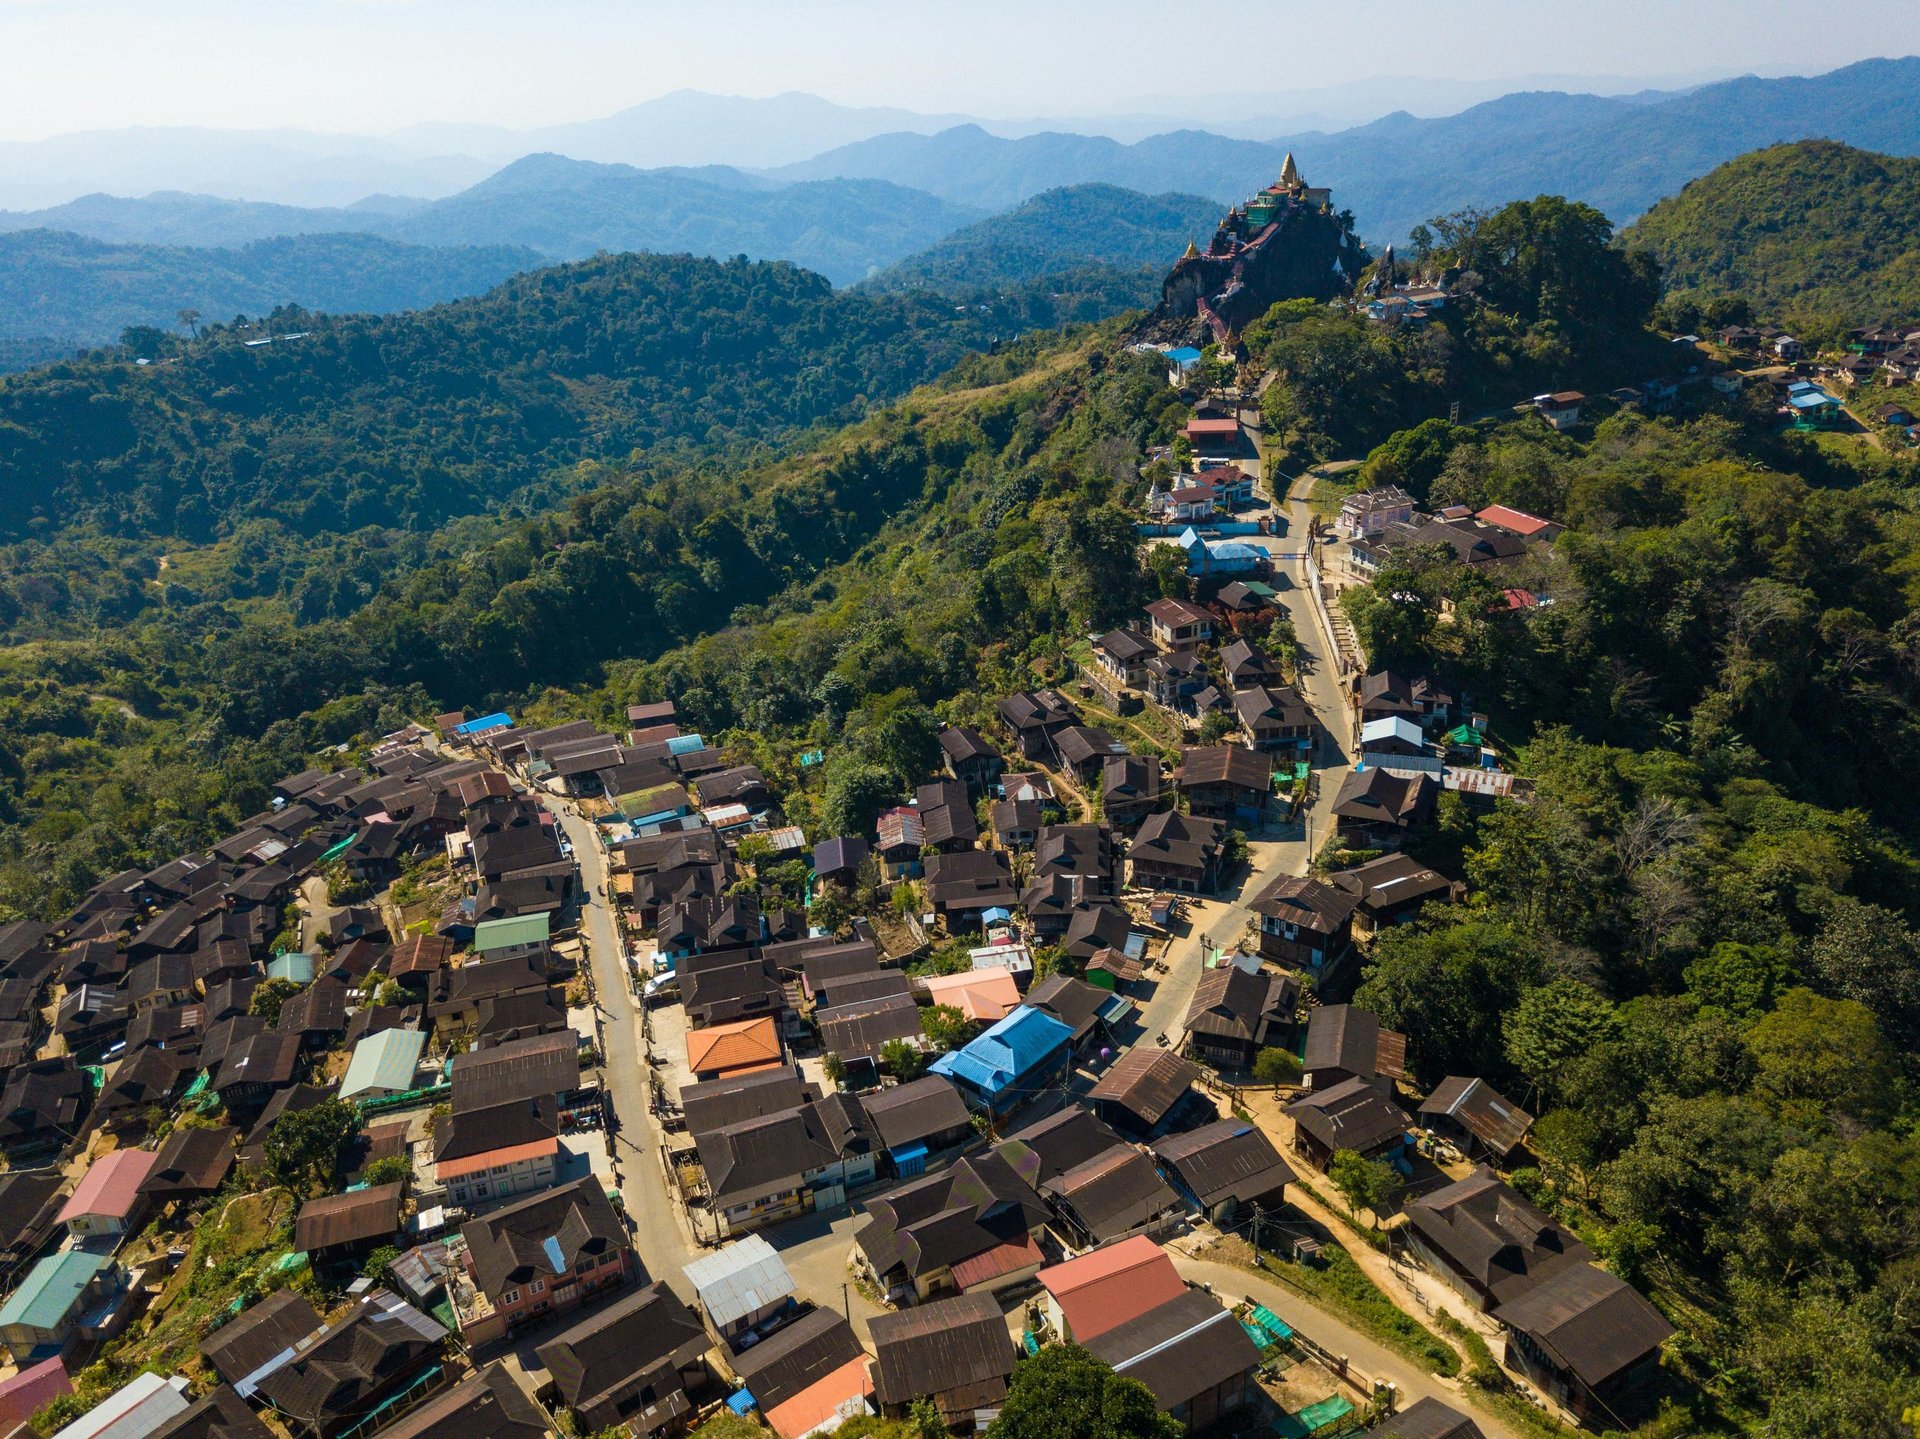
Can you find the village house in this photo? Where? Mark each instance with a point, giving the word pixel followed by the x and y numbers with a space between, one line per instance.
pixel 498 1151
pixel 1368 512
pixel 1377 809
pixel 960 888
pixel 1352 1114
pixel 1519 523
pixel 341 1228
pixel 779 1165
pixel 107 1198
pixel 1235 1013
pixel 1273 718
pixel 971 760
pixel 1584 1336
pixel 1170 680
pixel 1129 789
pixel 1225 1169
pixel 972 1228
pixel 899 836
pixel 1000 1068
pixel 1391 890
pixel 541 1255
pixel 743 1289
pixel 1475 1116
pixel 61 1295
pixel 1347 1042
pixel 955 1351
pixel 1486 1241
pixel 1190 1352
pixel 1031 718
pixel 640 1362
pixel 1177 625
pixel 1120 657
pixel 1177 852
pixel 1305 923
pixel 1225 782
pixel 1110 1196
pixel 1561 409
pixel 805 1374
pixel 946 811
pixel 1016 823
pixel 488 1404
pixel 331 1379
pixel 1141 1089
pixel 916 1120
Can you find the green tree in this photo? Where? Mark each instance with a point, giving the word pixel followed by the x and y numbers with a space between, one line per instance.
pixel 1553 1025
pixel 1063 1392
pixel 834 1067
pixel 303 1146
pixel 1276 1066
pixel 1364 1183
pixel 902 1060
pixel 1216 725
pixel 1825 1053
pixel 1741 979
pixel 394 1169
pixel 379 1263
pixel 945 1026
pixel 269 996
pixel 854 794
pixel 1446 984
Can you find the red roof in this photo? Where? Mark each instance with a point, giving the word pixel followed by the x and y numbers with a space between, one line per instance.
pixel 992 1263
pixel 110 1185
pixel 32 1387
pixel 1517 522
pixel 486 1159
pixel 1226 428
pixel 1112 1285
pixel 821 1400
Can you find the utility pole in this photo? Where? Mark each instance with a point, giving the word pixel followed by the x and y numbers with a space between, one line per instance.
pixel 846 1304
pixel 1258 1261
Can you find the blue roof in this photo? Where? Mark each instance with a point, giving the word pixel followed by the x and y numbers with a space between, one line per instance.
pixel 1016 1046
pixel 500 719
pixel 686 744
pixel 740 1402
pixel 1233 550
pixel 995 915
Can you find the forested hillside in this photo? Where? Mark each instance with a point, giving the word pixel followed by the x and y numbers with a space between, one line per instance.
pixel 73 292
pixel 409 420
pixel 1806 232
pixel 1063 230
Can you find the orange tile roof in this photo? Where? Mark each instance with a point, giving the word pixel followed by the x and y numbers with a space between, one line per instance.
pixel 511 1154
pixel 821 1400
pixel 988 995
pixel 743 1045
pixel 1112 1285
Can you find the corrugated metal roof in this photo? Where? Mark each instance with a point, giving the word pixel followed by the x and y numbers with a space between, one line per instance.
pixel 51 1289
pixel 739 1279
pixel 110 1185
pixel 383 1063
pixel 491 934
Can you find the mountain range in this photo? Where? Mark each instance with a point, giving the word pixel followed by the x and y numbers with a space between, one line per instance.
pixel 1618 153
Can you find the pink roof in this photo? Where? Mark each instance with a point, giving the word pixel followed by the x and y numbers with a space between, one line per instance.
pixel 110 1185
pixel 487 1159
pixel 1002 1259
pixel 1213 427
pixel 32 1387
pixel 1517 521
pixel 985 994
pixel 820 1400
pixel 1105 1289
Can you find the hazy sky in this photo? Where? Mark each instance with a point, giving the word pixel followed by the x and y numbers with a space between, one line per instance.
pixel 373 65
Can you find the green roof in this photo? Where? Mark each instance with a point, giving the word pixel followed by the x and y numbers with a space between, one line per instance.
pixel 339 849
pixel 383 1063
pixel 491 934
pixel 51 1289
pixel 296 967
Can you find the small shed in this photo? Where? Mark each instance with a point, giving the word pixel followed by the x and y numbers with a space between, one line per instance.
pixel 383 1064
pixel 741 1286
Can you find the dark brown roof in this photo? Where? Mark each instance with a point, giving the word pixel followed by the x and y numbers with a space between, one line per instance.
pixel 1481 1110
pixel 335 1219
pixel 1310 903
pixel 517 1069
pixel 1225 764
pixel 481 1131
pixel 979 1204
pixel 865 1028
pixel 1113 1193
pixel 270 1058
pixel 1229 1159
pixel 520 1242
pixel 1426 1419
pixel 1343 1036
pixel 1147 1082
pixel 1590 1322
pixel 1489 1232
pixel 909 1112
pixel 1350 1115
pixel 219 1414
pixel 651 1328
pixel 795 1356
pixel 421 954
pixel 487 1404
pixel 950 1344
pixel 1179 1349
pixel 1231 1003
pixel 733 1099
pixel 1053 1145
pixel 748 1159
pixel 343 1369
pixel 255 1335
pixel 191 1161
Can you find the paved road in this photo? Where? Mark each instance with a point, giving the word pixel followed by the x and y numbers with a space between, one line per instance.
pixel 659 1233
pixel 1216 925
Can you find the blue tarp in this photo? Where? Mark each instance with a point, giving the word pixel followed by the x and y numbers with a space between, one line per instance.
pixel 498 720
pixel 740 1402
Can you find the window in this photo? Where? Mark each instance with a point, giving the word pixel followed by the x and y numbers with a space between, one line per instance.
pixel 539 1286
pixel 512 1296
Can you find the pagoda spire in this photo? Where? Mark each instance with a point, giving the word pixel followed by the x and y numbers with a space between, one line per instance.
pixel 1289 174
